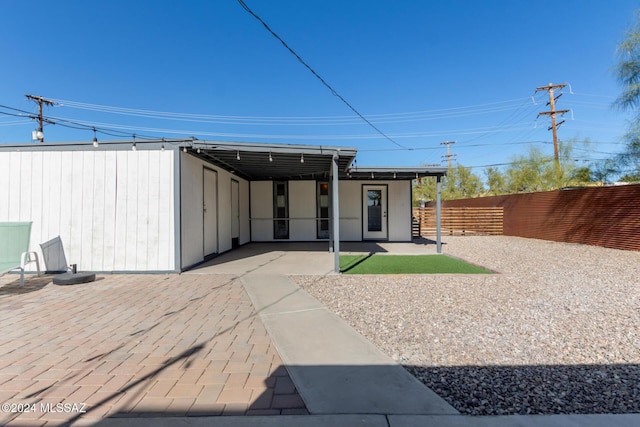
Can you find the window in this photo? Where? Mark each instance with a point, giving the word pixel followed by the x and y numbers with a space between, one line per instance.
pixel 280 210
pixel 322 202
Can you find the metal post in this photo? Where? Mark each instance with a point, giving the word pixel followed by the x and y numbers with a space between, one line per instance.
pixel 438 234
pixel 331 217
pixel 336 215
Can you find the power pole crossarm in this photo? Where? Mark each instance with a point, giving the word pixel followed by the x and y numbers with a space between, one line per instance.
pixel 448 156
pixel 40 101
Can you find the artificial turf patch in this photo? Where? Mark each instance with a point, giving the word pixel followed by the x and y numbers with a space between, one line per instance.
pixel 406 264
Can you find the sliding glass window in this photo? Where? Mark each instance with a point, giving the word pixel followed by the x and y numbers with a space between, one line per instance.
pixel 280 210
pixel 322 202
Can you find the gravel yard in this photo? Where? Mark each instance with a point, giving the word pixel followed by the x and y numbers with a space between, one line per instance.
pixel 556 331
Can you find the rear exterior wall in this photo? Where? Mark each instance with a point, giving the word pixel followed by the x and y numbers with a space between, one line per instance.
pixel 113 210
pixel 303 210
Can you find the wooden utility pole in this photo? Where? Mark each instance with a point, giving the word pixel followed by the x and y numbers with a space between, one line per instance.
pixel 448 156
pixel 40 100
pixel 552 112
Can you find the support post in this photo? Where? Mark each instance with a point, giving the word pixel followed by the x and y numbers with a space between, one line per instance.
pixel 336 214
pixel 438 215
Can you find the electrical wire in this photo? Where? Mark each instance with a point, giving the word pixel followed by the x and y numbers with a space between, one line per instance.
pixel 333 91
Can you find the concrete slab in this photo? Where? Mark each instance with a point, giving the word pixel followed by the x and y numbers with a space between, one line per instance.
pixel 254 421
pixel 335 369
pixel 590 420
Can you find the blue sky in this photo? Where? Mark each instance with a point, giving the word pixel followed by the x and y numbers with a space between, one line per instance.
pixel 423 72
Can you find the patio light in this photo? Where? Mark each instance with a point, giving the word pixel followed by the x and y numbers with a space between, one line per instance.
pixel 95 138
pixel 302 158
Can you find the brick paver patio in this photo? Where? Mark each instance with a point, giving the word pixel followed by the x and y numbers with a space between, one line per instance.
pixel 136 345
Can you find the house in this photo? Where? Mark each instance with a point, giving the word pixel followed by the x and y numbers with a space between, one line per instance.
pixel 166 205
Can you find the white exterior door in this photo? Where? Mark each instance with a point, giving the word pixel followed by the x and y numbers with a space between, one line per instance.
pixel 374 212
pixel 210 211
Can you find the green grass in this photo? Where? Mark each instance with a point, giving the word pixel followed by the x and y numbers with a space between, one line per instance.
pixel 406 264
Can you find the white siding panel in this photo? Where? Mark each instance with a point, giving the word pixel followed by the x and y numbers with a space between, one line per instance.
pixel 350 194
pixel 153 221
pixel 5 185
pixel 224 211
pixel 86 200
pixel 36 184
pixel 74 254
pixel 120 242
pixel 245 226
pixel 261 211
pixel 98 207
pixel 109 211
pixel 15 161
pixel 399 199
pixel 140 210
pixel 302 210
pixel 53 174
pixel 165 210
pixel 92 200
pixel 191 210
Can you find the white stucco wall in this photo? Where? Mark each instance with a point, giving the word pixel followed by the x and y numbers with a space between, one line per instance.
pixel 302 210
pixel 113 210
pixel 191 184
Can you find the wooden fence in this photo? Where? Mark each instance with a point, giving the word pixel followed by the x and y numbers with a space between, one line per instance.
pixel 459 221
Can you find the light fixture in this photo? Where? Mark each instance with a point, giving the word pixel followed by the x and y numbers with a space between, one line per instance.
pixel 270 158
pixel 394 175
pixel 198 150
pixel 184 149
pixel 162 147
pixel 133 146
pixel 372 175
pixel 238 155
pixel 416 175
pixel 95 138
pixel 302 158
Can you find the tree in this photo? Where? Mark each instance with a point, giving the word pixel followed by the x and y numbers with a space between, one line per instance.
pixel 627 72
pixel 495 181
pixel 602 170
pixel 460 183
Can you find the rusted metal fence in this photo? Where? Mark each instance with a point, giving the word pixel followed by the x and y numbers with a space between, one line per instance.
pixel 459 221
pixel 602 216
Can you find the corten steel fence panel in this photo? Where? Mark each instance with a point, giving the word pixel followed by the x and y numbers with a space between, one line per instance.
pixel 602 216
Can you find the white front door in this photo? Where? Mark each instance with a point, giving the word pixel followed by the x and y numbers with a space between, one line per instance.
pixel 374 212
pixel 210 211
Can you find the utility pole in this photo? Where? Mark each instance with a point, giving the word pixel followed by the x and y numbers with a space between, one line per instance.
pixel 552 112
pixel 40 100
pixel 448 156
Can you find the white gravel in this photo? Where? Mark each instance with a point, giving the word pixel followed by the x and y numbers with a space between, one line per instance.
pixel 557 330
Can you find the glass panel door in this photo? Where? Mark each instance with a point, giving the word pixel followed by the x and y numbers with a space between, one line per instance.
pixel 374 212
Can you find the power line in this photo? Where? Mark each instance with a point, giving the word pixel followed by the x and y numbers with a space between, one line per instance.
pixel 323 81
